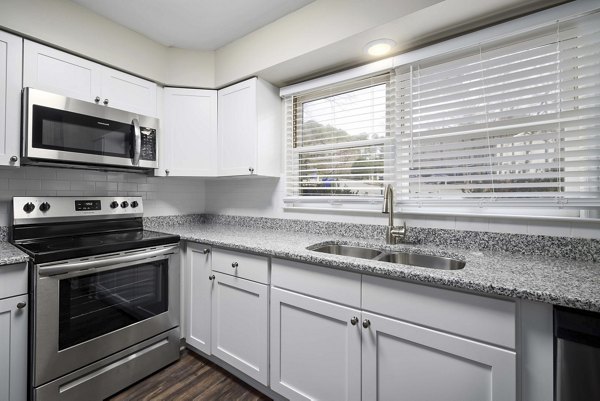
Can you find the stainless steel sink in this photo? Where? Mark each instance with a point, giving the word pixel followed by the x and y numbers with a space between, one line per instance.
pixel 416 259
pixel 404 258
pixel 347 250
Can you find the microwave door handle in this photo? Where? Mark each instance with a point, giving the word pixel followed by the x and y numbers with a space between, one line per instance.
pixel 137 142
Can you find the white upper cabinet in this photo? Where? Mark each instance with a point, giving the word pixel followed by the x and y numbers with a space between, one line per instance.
pixel 189 132
pixel 10 98
pixel 58 72
pixel 126 92
pixel 250 129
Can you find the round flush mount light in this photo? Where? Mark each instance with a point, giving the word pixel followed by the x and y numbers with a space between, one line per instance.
pixel 379 47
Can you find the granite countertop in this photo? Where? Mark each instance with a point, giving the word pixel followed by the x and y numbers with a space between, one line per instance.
pixel 558 281
pixel 9 254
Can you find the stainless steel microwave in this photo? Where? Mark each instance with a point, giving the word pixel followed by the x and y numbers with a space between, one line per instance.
pixel 62 131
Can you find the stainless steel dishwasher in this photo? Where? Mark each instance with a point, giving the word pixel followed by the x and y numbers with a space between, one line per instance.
pixel 577 355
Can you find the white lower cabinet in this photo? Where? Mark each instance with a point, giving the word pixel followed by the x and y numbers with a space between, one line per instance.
pixel 240 325
pixel 402 361
pixel 13 332
pixel 335 335
pixel 197 288
pixel 13 348
pixel 322 349
pixel 315 348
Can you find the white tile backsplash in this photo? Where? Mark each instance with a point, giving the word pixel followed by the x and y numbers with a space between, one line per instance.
pixel 162 195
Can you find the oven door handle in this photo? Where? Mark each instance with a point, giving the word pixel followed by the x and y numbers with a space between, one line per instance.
pixel 62 268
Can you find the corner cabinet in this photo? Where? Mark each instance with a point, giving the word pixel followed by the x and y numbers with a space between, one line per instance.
pixel 189 132
pixel 62 73
pixel 13 332
pixel 250 129
pixel 11 48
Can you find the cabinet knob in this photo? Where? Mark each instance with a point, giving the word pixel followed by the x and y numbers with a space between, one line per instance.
pixel 21 305
pixel 366 323
pixel 105 102
pixel 211 277
pixel 251 170
pixel 354 321
pixel 206 251
pixel 97 99
pixel 13 159
pixel 234 265
pixel 167 172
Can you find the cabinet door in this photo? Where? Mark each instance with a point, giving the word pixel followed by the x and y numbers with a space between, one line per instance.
pixel 238 129
pixel 315 349
pixel 59 72
pixel 126 92
pixel 240 325
pixel 13 349
pixel 197 291
pixel 10 98
pixel 402 361
pixel 190 132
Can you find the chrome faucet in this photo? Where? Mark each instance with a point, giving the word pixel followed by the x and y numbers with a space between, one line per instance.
pixel 393 235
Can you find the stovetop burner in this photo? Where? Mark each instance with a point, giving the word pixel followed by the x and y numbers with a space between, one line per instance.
pixel 60 228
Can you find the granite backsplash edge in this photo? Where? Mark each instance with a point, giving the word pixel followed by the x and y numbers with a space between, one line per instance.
pixel 583 249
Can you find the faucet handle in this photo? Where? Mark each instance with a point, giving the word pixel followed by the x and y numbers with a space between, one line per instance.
pixel 399 234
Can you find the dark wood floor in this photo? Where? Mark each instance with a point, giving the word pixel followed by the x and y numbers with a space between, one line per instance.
pixel 192 378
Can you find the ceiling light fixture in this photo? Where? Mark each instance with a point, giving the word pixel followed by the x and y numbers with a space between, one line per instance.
pixel 379 47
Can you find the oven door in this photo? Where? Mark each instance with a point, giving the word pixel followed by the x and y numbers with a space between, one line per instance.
pixel 88 309
pixel 61 129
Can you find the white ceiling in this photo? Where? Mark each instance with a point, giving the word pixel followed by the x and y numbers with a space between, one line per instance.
pixel 193 24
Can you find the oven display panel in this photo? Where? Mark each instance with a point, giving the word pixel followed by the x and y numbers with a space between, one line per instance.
pixel 82 205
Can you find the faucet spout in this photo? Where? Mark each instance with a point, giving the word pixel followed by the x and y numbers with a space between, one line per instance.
pixel 393 235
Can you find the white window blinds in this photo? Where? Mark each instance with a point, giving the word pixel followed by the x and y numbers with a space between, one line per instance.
pixel 514 122
pixel 340 141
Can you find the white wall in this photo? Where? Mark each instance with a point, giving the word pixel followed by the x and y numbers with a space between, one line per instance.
pixel 69 26
pixel 161 196
pixel 263 197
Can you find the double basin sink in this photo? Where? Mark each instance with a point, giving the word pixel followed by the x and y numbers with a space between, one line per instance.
pixel 404 258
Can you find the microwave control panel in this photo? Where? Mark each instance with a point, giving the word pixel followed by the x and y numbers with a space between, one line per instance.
pixel 148 151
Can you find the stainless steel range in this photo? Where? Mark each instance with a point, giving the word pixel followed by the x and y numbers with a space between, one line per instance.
pixel 105 295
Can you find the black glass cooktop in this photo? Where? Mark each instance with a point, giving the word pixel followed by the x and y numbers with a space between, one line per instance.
pixel 73 246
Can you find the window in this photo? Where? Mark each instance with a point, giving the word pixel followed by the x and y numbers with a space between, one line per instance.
pixel 340 142
pixel 506 124
pixel 510 123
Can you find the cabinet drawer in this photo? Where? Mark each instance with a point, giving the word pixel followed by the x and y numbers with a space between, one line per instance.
pixel 238 264
pixel 13 280
pixel 321 282
pixel 474 316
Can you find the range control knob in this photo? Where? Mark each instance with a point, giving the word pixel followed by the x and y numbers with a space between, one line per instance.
pixel 124 204
pixel 44 207
pixel 114 204
pixel 134 204
pixel 29 207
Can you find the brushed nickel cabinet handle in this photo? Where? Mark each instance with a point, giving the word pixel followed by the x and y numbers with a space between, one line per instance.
pixel 354 321
pixel 211 277
pixel 234 265
pixel 206 251
pixel 21 305
pixel 366 323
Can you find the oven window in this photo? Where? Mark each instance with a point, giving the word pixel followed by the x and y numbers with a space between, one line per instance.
pixel 99 303
pixel 73 132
